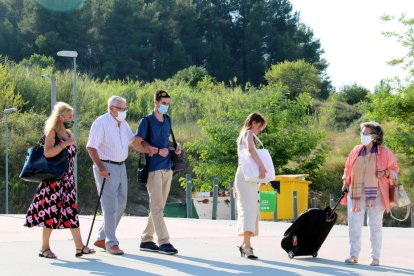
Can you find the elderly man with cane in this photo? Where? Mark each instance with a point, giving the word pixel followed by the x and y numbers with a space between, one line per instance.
pixel 107 146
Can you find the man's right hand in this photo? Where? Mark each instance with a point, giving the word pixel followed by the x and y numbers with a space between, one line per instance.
pixel 103 172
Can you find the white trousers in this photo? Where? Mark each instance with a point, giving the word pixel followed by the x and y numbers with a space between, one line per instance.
pixel 248 204
pixel 356 221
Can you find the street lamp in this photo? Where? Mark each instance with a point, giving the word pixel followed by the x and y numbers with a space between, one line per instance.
pixel 52 89
pixel 7 112
pixel 73 54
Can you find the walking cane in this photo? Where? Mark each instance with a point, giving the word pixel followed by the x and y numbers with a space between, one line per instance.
pixel 96 210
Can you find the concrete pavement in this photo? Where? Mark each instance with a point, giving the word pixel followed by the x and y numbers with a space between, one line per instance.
pixel 206 247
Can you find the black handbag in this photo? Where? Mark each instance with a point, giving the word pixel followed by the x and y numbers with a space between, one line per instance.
pixel 37 167
pixel 142 170
pixel 178 161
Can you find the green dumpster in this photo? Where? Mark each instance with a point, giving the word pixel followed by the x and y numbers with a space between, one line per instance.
pixel 178 210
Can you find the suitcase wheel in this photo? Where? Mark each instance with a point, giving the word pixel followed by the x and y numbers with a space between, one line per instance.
pixel 291 254
pixel 315 254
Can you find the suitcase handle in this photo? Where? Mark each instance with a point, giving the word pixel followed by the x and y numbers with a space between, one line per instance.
pixel 336 204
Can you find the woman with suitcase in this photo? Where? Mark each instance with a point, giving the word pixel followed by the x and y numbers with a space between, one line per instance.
pixel 368 174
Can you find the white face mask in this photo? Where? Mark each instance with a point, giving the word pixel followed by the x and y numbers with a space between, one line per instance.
pixel 121 115
pixel 366 139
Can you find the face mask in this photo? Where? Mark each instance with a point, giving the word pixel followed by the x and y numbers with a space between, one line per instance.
pixel 366 139
pixel 163 109
pixel 121 115
pixel 68 124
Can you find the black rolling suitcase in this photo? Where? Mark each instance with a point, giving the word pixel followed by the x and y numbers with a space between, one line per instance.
pixel 308 232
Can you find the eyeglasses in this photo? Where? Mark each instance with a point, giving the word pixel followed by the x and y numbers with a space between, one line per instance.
pixel 120 108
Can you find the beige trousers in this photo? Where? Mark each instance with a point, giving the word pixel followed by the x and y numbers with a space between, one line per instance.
pixel 158 187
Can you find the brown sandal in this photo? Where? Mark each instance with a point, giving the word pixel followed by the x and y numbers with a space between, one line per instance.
pixel 84 250
pixel 47 253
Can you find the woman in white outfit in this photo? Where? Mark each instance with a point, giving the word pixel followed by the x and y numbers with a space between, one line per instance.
pixel 368 174
pixel 248 192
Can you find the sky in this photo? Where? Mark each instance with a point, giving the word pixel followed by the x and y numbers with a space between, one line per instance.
pixel 350 35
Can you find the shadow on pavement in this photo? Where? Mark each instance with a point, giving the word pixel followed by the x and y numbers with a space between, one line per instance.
pixel 280 265
pixel 359 266
pixel 96 266
pixel 209 267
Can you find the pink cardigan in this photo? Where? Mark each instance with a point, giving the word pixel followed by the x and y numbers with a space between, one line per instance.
pixel 385 161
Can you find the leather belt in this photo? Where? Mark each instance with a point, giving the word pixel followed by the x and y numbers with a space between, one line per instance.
pixel 113 162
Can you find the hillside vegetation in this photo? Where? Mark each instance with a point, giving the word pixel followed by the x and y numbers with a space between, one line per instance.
pixel 219 61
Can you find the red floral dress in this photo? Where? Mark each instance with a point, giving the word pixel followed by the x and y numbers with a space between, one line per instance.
pixel 54 203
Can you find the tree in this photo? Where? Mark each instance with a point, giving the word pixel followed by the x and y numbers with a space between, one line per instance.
pixel 396 104
pixel 191 75
pixel 298 76
pixel 291 136
pixel 353 94
pixel 8 96
pixel 405 38
pixel 397 107
pixel 153 39
pixel 215 25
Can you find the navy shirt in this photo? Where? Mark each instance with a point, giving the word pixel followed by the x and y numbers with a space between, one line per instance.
pixel 159 137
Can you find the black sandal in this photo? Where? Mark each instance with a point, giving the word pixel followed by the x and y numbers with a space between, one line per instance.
pixel 84 250
pixel 47 253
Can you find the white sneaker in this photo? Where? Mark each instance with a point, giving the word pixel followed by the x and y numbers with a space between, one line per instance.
pixel 375 262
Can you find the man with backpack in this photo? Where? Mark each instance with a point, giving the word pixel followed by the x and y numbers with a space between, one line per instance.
pixel 155 130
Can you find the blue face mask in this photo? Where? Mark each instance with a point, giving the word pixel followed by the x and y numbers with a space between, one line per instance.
pixel 163 109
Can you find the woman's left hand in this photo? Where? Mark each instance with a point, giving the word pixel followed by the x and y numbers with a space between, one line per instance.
pixel 383 173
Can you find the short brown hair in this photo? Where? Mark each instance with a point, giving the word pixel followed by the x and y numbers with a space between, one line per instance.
pixel 376 129
pixel 161 94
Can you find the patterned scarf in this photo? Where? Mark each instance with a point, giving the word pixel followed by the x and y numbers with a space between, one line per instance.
pixel 363 179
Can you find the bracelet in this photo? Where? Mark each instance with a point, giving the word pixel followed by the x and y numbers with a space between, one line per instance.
pixel 158 151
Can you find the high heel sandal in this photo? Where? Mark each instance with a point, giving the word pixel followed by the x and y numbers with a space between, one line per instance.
pixel 247 252
pixel 84 250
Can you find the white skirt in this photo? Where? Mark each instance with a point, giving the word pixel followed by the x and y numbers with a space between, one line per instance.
pixel 248 201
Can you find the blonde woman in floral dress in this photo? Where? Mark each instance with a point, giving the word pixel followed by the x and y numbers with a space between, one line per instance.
pixel 54 203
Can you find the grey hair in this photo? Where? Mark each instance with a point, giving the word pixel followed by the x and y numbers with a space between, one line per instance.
pixel 115 99
pixel 376 129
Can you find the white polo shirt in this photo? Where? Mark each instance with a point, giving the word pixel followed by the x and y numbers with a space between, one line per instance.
pixel 110 140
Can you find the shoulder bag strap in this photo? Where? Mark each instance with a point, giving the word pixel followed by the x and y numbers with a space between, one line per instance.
pixel 171 131
pixel 42 139
pixel 148 138
pixel 257 139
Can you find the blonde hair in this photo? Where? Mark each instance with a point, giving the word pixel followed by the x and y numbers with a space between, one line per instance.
pixel 52 122
pixel 253 117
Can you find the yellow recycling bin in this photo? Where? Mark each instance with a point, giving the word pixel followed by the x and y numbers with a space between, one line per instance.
pixel 288 184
